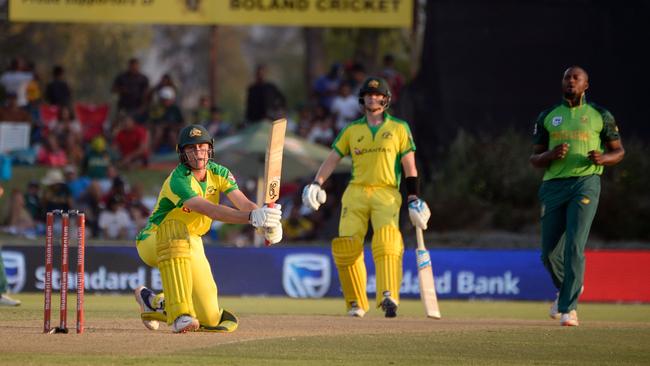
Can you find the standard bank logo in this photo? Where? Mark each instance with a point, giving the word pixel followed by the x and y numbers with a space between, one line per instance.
pixel 14 263
pixel 306 275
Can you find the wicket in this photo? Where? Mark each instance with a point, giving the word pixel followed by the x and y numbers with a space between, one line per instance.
pixel 65 241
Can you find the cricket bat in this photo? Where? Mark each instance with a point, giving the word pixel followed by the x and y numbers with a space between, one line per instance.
pixel 273 162
pixel 425 274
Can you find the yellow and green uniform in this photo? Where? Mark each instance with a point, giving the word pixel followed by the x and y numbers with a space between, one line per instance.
pixel 372 194
pixel 570 190
pixel 180 186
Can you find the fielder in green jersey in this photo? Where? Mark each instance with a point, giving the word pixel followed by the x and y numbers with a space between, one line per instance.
pixel 573 140
pixel 171 241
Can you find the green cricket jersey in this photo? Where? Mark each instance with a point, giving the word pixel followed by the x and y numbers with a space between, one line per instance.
pixel 584 127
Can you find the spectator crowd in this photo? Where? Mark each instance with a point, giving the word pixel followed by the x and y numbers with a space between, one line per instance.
pixel 86 147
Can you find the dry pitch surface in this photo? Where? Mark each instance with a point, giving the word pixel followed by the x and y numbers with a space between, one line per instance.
pixel 314 332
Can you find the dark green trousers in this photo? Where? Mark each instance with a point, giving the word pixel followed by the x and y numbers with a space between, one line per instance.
pixel 568 209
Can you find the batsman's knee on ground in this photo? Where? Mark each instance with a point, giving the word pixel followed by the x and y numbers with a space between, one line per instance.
pixel 348 256
pixel 387 251
pixel 174 262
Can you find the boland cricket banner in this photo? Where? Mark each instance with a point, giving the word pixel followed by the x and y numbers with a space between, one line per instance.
pixel 309 272
pixel 308 13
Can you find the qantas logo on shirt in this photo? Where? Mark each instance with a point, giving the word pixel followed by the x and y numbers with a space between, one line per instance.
pixel 358 151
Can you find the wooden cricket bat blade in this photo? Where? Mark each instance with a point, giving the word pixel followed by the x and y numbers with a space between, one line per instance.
pixel 273 161
pixel 425 278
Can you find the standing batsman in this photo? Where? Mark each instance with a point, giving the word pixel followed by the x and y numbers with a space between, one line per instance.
pixel 573 140
pixel 380 146
pixel 171 241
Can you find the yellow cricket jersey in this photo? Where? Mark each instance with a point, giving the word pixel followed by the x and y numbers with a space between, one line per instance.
pixel 376 151
pixel 180 186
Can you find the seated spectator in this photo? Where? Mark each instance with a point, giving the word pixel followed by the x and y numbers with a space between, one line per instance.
pixel 345 107
pixel 20 220
pixel 98 159
pixel 322 130
pixel 166 121
pixel 117 189
pixel 114 222
pixel 132 143
pixel 165 81
pixel 74 149
pixel 215 125
pixel 326 86
pixel 77 185
pixel 201 114
pixel 56 194
pixel 90 202
pixel 67 125
pixel 32 198
pixel 135 205
pixel 51 154
pixel 297 226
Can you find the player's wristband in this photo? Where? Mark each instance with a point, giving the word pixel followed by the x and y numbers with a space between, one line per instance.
pixel 412 186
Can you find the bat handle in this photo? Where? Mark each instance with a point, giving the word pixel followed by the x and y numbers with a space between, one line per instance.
pixel 266 242
pixel 420 238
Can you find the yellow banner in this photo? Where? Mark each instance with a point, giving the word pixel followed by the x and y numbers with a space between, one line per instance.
pixel 309 13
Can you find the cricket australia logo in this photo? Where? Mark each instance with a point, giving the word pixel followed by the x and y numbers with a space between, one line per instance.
pixel 556 121
pixel 14 263
pixel 387 135
pixel 306 275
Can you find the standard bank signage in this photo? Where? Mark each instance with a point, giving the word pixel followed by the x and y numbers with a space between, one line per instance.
pixel 298 272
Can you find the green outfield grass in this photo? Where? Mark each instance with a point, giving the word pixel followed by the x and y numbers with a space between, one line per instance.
pixel 314 332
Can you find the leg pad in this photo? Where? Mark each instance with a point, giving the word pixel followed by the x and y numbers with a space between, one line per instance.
pixel 348 256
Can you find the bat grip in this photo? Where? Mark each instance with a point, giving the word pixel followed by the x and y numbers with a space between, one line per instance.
pixel 266 242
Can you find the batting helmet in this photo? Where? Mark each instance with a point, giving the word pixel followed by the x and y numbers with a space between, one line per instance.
pixel 191 135
pixel 375 85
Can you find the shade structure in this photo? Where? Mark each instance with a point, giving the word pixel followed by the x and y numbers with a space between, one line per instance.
pixel 243 154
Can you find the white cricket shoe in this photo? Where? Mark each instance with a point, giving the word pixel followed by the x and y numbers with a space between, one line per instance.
pixel 355 311
pixel 184 324
pixel 144 298
pixel 569 319
pixel 553 312
pixel 6 300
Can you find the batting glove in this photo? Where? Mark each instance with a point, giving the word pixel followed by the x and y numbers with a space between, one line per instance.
pixel 273 234
pixel 266 216
pixel 313 196
pixel 419 213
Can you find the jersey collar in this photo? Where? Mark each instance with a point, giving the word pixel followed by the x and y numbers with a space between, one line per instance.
pixel 583 100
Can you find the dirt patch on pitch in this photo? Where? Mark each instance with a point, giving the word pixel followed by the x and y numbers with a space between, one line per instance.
pixel 129 337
